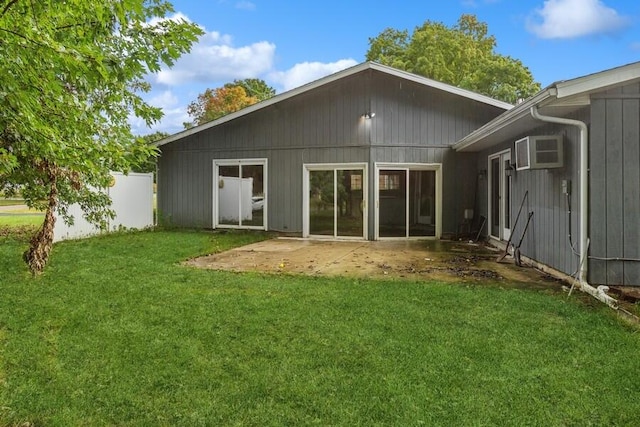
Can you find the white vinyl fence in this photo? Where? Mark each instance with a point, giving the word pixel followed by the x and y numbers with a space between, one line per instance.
pixel 229 195
pixel 131 200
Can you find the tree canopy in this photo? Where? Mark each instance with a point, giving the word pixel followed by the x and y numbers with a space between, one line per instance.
pixel 463 55
pixel 149 165
pixel 215 103
pixel 256 88
pixel 71 75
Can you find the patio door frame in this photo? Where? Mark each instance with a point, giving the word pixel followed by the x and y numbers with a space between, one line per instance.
pixel 408 167
pixel 216 178
pixel 505 191
pixel 335 167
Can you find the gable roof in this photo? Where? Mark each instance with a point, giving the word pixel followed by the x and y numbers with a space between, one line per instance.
pixel 558 99
pixel 331 78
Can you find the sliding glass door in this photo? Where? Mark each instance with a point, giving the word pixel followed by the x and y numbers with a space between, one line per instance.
pixel 240 194
pixel 335 201
pixel 322 202
pixel 407 200
pixel 392 202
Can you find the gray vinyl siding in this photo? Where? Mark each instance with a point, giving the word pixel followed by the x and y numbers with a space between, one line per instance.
pixel 409 114
pixel 413 123
pixel 184 189
pixel 547 238
pixel 615 186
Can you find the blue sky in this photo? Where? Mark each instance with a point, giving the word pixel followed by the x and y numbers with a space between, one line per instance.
pixel 289 43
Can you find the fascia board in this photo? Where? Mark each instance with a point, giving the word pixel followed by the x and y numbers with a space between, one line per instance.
pixel 599 81
pixel 260 105
pixel 329 79
pixel 569 92
pixel 505 119
pixel 442 86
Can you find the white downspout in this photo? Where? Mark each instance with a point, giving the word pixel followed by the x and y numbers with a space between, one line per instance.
pixel 600 291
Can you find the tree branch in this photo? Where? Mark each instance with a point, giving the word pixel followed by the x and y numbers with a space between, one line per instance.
pixel 6 8
pixel 35 18
pixel 22 36
pixel 82 24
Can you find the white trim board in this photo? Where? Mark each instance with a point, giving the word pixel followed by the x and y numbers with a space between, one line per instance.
pixel 265 188
pixel 308 167
pixel 436 167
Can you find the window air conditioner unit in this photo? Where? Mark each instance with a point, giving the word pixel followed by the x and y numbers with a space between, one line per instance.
pixel 539 152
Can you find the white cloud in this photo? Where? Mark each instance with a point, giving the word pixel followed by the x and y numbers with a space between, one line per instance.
pixel 172 120
pixel 164 99
pixel 173 102
pixel 246 5
pixel 213 61
pixel 306 72
pixel 176 17
pixel 214 58
pixel 575 18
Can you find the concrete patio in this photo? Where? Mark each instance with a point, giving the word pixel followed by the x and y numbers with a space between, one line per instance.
pixel 411 260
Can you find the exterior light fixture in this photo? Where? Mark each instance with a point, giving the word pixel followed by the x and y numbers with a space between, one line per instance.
pixel 369 115
pixel 510 169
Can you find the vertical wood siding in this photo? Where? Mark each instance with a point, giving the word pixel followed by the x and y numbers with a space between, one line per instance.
pixel 615 186
pixel 408 114
pixel 413 123
pixel 547 238
pixel 614 193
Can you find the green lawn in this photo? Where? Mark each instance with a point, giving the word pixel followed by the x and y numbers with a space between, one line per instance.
pixel 11 202
pixel 13 220
pixel 116 332
pixel 19 225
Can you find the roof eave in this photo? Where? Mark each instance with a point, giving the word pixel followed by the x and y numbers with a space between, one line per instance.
pixel 263 104
pixel 565 92
pixel 505 119
pixel 331 78
pixel 442 86
pixel 599 81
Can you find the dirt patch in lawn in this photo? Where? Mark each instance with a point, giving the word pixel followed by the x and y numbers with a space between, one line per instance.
pixel 413 260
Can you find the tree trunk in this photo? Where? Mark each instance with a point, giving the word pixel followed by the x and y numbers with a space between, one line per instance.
pixel 37 255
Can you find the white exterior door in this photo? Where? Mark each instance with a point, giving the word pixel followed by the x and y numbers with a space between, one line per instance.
pixel 500 195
